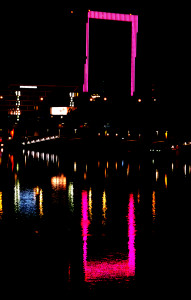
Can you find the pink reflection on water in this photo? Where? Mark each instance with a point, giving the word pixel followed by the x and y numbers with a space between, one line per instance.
pixel 119 266
pixel 131 234
pixel 85 224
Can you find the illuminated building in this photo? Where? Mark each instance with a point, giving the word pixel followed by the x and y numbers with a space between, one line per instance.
pixel 112 17
pixel 28 106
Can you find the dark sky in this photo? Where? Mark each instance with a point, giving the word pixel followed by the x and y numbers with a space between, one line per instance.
pixel 43 48
pixel 45 45
pixel 171 62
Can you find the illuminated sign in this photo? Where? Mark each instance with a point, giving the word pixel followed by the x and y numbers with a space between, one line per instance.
pixel 59 111
pixel 28 87
pixel 113 17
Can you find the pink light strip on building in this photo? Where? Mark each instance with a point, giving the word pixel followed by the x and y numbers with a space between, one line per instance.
pixel 113 17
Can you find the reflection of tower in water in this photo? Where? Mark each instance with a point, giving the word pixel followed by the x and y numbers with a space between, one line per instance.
pixel 114 266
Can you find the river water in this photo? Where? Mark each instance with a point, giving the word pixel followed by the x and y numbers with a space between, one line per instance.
pixel 94 224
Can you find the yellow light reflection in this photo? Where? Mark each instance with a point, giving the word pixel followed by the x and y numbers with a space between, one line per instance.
pixel 59 182
pixel 166 181
pixel 38 192
pixel 41 212
pixel 104 208
pixel 75 167
pixel 128 169
pixel 157 175
pixel 90 204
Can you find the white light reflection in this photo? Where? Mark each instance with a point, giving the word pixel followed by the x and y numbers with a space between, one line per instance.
pixel 71 196
pixel 52 158
pixel 16 194
pixel 185 171
pixel 48 157
pixel 37 155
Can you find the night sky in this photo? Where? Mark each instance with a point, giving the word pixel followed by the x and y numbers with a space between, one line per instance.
pixel 46 45
pixel 171 61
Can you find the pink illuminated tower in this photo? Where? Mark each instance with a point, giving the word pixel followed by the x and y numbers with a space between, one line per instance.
pixel 113 17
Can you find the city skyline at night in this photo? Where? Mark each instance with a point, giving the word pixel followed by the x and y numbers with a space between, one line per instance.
pixel 95 149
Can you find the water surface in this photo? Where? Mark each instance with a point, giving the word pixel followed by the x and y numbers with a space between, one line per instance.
pixel 84 223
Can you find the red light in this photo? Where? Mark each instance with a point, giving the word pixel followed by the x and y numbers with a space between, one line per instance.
pixel 12 133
